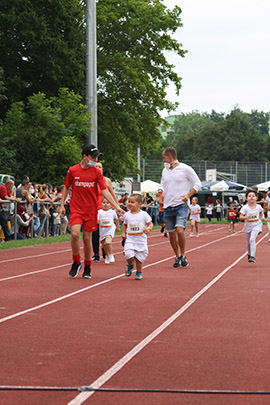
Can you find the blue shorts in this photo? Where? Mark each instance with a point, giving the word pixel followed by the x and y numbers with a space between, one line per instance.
pixel 176 217
pixel 161 217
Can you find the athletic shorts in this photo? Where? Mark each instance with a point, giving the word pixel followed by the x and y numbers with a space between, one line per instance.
pixel 176 217
pixel 141 256
pixel 161 217
pixel 89 224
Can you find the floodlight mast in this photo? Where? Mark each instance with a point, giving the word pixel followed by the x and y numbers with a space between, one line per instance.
pixel 91 69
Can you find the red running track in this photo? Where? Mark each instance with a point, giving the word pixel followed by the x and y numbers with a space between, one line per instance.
pixel 204 327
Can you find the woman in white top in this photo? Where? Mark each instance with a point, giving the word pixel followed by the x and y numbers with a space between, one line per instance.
pixel 252 213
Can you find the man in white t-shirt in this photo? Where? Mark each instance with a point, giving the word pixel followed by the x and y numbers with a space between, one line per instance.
pixel 175 183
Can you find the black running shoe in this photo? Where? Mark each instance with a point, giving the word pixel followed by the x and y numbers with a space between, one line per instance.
pixel 75 268
pixel 96 259
pixel 87 272
pixel 184 262
pixel 177 262
pixel 252 259
pixel 249 257
pixel 162 229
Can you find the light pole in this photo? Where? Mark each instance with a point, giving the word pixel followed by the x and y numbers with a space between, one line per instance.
pixel 91 69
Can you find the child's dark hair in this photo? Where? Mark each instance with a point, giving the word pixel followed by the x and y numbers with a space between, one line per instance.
pixel 138 197
pixel 251 191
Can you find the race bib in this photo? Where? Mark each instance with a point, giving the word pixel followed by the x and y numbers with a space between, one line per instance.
pixel 254 217
pixel 106 222
pixel 135 228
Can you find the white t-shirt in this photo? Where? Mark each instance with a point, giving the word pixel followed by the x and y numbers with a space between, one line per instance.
pixel 209 209
pixel 136 223
pixel 176 184
pixel 106 223
pixel 193 209
pixel 254 222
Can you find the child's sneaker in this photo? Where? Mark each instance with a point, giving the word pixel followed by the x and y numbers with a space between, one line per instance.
pixel 107 260
pixel 197 235
pixel 252 259
pixel 192 234
pixel 177 262
pixel 111 258
pixel 75 268
pixel 128 271
pixel 87 271
pixel 184 262
pixel 166 235
pixel 138 276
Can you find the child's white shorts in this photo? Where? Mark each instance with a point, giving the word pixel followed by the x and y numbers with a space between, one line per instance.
pixel 139 255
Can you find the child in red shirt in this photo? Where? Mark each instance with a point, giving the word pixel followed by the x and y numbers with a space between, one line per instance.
pixel 231 216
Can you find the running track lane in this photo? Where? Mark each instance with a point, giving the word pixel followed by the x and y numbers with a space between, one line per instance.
pixel 122 317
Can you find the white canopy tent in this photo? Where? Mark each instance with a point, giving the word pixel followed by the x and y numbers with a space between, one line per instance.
pixel 149 186
pixel 263 186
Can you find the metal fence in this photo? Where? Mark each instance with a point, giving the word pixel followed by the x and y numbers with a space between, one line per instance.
pixel 247 173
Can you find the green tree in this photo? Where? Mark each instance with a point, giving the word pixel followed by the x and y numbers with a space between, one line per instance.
pixel 133 74
pixel 45 136
pixel 42 47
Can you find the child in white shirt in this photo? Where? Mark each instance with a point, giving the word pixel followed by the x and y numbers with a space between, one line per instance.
pixel 137 224
pixel 268 219
pixel 194 216
pixel 252 213
pixel 107 218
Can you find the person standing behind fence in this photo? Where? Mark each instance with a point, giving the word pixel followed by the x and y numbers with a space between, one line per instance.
pixel 252 213
pixel 5 194
pixel 175 184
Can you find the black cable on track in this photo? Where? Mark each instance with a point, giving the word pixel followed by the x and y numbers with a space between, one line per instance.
pixel 88 388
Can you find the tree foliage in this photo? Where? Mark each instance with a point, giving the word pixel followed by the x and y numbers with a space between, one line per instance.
pixel 42 47
pixel 42 44
pixel 236 136
pixel 43 137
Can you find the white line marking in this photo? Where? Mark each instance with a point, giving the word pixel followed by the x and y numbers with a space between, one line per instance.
pixel 69 250
pixel 26 311
pixel 116 253
pixel 80 398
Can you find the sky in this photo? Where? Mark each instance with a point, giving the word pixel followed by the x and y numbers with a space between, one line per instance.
pixel 228 59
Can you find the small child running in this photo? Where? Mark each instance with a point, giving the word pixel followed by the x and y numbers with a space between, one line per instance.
pixel 231 216
pixel 252 213
pixel 268 220
pixel 137 224
pixel 108 222
pixel 194 217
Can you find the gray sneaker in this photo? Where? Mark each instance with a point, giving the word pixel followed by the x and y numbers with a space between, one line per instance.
pixel 177 262
pixel 184 262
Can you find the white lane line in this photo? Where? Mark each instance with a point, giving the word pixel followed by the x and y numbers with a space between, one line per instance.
pixel 116 253
pixel 45 304
pixel 69 250
pixel 26 311
pixel 82 397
